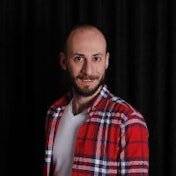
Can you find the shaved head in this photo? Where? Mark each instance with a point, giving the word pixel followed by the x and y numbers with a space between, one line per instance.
pixel 81 29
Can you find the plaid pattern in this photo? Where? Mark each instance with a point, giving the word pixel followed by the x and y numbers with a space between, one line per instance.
pixel 113 140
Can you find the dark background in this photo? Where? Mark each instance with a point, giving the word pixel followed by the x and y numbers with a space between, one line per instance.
pixel 142 42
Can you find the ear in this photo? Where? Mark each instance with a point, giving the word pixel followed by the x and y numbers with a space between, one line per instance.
pixel 107 59
pixel 62 60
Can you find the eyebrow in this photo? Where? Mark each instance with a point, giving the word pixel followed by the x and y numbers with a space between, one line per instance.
pixel 98 54
pixel 80 54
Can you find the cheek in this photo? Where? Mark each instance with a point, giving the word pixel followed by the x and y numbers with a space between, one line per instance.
pixel 74 71
pixel 100 70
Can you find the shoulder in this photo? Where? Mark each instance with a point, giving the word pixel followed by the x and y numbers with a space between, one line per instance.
pixel 124 111
pixel 59 104
pixel 62 101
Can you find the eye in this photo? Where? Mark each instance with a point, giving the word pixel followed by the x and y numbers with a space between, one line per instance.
pixel 78 58
pixel 97 58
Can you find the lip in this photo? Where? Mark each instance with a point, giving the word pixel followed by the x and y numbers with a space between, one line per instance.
pixel 87 81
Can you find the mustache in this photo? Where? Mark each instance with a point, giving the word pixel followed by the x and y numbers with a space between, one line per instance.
pixel 85 76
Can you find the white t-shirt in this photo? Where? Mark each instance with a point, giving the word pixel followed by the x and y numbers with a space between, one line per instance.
pixel 63 149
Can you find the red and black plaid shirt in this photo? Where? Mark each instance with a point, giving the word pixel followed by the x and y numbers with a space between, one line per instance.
pixel 113 140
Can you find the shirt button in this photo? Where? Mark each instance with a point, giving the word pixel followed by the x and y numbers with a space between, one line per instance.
pixel 93 108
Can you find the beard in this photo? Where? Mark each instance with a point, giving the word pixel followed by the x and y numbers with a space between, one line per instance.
pixel 86 91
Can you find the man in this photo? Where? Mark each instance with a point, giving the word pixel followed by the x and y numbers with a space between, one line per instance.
pixel 89 131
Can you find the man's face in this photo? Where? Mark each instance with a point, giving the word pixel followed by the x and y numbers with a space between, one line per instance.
pixel 86 61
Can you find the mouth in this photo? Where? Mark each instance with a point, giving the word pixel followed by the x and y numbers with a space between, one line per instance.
pixel 87 78
pixel 87 81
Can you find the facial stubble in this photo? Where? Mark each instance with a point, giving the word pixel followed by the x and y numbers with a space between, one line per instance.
pixel 86 91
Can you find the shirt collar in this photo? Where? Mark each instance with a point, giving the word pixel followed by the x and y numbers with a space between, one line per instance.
pixel 99 99
pixel 102 95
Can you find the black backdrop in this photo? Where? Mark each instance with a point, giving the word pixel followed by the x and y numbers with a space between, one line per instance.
pixel 142 40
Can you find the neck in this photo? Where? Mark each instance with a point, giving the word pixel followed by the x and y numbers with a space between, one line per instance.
pixel 80 103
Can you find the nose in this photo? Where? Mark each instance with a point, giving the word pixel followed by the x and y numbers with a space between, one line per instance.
pixel 87 68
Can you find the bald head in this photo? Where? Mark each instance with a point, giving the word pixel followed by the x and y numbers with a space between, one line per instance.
pixel 83 33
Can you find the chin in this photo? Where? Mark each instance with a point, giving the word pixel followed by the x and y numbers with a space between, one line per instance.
pixel 86 91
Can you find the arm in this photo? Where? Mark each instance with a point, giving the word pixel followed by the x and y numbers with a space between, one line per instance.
pixel 134 154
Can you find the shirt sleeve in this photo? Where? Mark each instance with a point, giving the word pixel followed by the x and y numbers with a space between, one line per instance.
pixel 134 153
